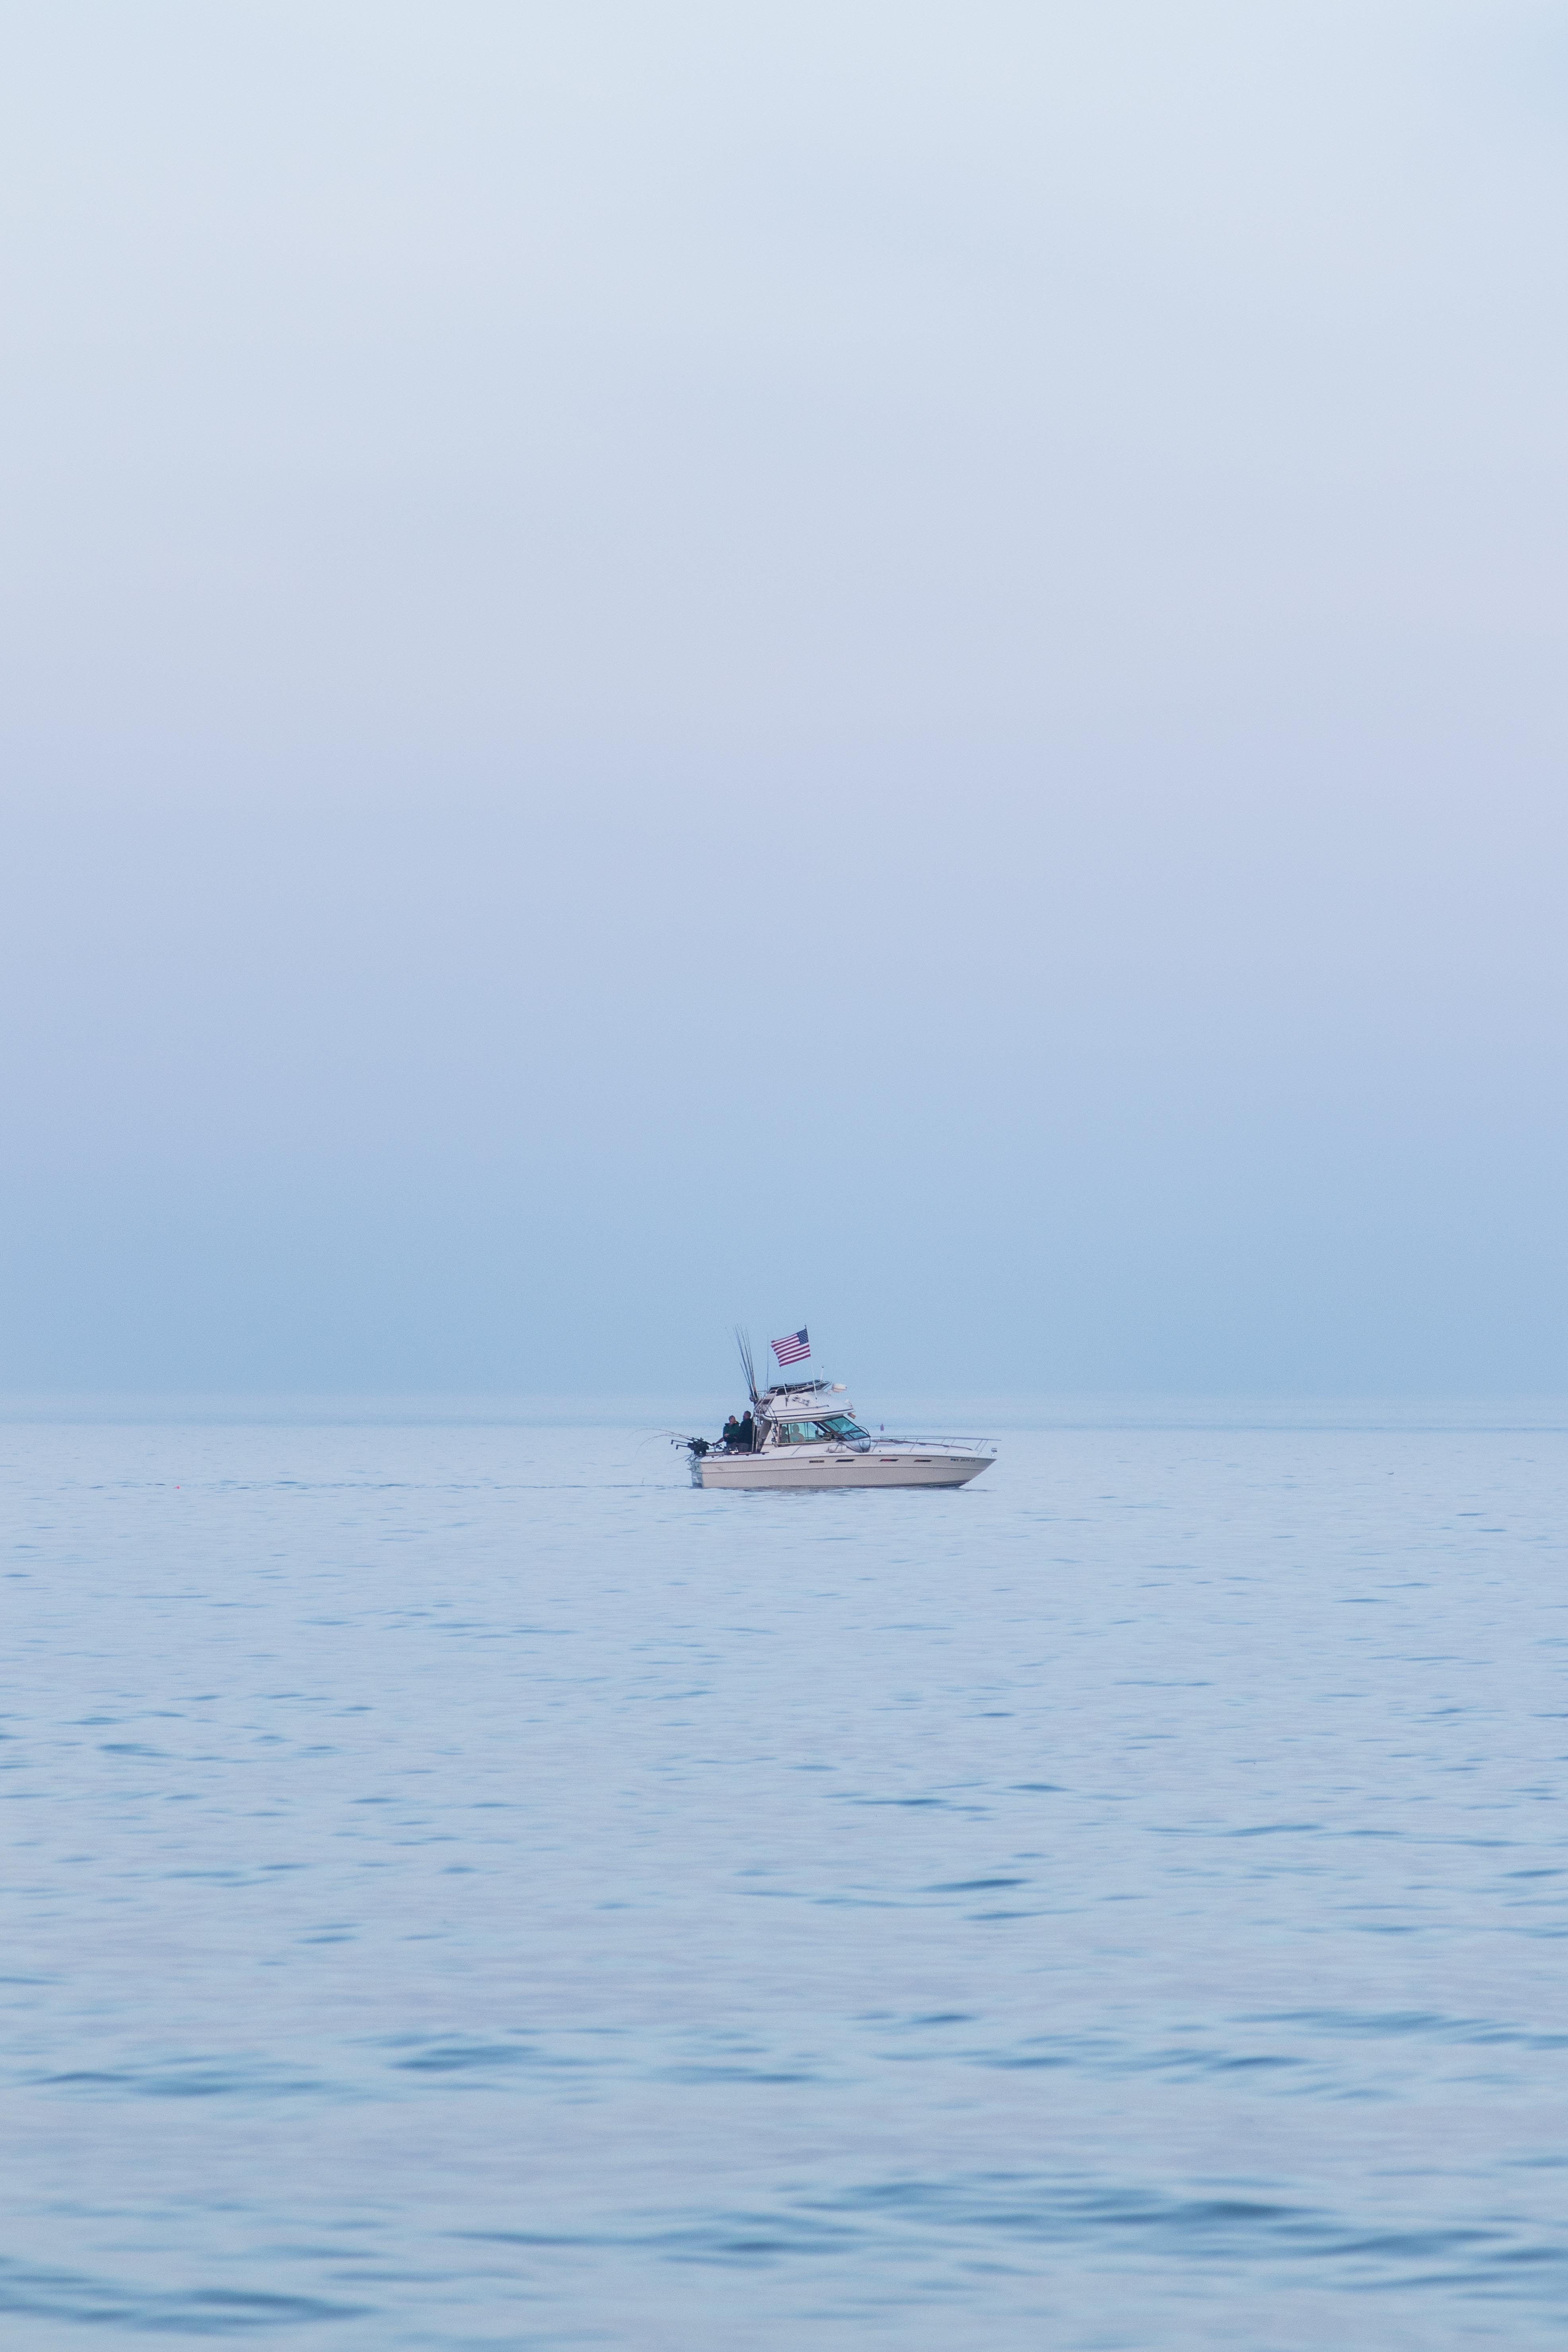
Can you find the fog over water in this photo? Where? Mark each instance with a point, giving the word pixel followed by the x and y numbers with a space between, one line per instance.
pixel 893 666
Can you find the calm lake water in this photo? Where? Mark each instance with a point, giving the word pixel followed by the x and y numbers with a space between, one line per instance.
pixel 463 1887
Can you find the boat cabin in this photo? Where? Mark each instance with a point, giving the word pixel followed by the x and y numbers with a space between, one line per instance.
pixel 810 1414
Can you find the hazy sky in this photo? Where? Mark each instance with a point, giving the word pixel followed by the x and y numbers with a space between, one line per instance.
pixel 897 665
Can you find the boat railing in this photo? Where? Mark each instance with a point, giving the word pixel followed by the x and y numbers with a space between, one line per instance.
pixel 951 1444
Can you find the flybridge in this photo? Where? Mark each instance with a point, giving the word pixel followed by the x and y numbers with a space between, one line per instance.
pixel 804 1389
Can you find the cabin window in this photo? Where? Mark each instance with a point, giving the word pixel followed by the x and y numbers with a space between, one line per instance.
pixel 801 1433
pixel 838 1424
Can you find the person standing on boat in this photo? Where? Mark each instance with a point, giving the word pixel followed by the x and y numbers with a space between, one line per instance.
pixel 731 1433
pixel 746 1431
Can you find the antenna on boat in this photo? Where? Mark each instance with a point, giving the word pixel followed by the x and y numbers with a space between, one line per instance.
pixel 742 1341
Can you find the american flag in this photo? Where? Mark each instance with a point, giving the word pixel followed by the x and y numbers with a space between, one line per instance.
pixel 793 1349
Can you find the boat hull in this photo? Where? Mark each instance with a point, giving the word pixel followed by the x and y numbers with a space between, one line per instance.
pixel 785 1470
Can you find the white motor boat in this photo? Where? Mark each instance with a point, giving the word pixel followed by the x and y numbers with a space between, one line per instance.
pixel 806 1436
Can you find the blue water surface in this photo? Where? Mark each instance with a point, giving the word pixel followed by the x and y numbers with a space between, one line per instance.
pixel 462 1887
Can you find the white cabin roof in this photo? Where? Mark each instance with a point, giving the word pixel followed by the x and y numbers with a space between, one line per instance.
pixel 806 1404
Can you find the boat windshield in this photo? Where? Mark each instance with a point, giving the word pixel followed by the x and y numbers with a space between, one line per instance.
pixel 833 1426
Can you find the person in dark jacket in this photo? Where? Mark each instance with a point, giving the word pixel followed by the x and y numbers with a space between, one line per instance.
pixel 732 1432
pixel 746 1431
